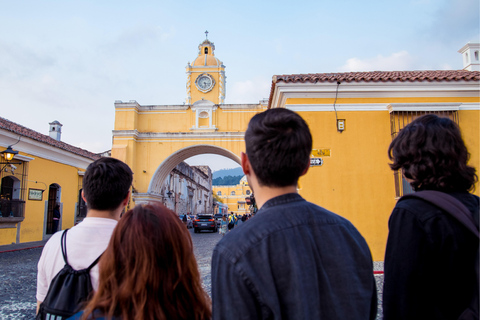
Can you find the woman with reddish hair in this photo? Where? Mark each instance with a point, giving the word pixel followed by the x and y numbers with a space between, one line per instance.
pixel 149 271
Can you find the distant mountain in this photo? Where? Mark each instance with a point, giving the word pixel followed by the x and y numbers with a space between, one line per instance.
pixel 228 172
pixel 227 181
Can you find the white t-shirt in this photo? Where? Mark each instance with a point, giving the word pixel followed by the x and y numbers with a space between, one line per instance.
pixel 85 243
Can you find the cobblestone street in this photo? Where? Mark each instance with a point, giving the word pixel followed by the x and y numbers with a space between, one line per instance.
pixel 19 268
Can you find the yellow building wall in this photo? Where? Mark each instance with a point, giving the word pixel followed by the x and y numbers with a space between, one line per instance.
pixel 49 172
pixel 126 119
pixel 355 181
pixel 41 174
pixel 8 236
pixel 231 120
pixel 233 200
pixel 469 122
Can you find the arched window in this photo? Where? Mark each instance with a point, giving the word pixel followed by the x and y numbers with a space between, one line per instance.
pixel 219 193
pixel 206 50
pixel 232 193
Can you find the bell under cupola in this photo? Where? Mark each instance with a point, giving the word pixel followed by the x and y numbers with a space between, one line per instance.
pixel 206 75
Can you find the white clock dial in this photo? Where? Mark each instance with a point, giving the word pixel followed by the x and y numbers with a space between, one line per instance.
pixel 205 82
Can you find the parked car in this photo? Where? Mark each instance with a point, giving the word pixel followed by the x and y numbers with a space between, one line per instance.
pixel 189 221
pixel 218 218
pixel 204 221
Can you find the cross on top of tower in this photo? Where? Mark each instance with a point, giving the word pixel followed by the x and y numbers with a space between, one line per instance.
pixel 206 34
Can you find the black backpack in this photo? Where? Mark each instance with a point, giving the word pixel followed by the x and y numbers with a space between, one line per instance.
pixel 460 212
pixel 68 291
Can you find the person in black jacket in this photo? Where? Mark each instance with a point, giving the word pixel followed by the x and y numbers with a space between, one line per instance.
pixel 430 256
pixel 56 218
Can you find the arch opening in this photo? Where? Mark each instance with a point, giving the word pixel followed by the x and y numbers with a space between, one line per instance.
pixel 154 192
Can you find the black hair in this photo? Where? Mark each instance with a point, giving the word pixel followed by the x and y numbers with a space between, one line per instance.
pixel 430 151
pixel 106 183
pixel 278 145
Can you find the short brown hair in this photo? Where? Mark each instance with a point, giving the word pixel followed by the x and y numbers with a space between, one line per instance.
pixel 278 143
pixel 106 183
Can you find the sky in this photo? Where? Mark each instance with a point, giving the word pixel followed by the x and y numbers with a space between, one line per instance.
pixel 70 60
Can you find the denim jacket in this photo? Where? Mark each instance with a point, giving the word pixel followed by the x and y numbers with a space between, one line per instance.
pixel 293 260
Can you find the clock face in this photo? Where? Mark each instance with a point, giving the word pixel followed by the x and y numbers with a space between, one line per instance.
pixel 204 82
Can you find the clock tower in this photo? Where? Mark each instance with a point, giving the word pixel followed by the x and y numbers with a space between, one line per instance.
pixel 206 76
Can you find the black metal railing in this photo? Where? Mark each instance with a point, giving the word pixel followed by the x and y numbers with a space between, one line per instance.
pixel 12 208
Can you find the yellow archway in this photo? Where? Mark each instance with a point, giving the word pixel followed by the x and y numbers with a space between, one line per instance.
pixel 174 159
pixel 152 140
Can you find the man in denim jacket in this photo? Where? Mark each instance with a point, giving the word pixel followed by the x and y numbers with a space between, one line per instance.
pixel 294 259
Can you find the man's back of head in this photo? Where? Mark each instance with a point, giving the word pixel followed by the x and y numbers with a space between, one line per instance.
pixel 278 145
pixel 106 184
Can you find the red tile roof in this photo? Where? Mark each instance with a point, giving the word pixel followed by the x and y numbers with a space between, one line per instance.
pixel 384 76
pixel 378 76
pixel 29 133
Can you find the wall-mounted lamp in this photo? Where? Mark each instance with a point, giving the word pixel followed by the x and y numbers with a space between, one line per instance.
pixel 8 153
pixel 199 201
pixel 169 193
pixel 340 125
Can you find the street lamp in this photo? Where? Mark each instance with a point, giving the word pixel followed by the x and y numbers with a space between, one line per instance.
pixel 8 153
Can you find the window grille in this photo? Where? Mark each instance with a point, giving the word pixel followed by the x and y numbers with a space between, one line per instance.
pixel 398 120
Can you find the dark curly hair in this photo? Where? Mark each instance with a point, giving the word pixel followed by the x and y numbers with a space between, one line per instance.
pixel 430 151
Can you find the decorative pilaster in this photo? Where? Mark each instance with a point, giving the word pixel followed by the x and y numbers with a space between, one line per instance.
pixel 189 92
pixel 221 84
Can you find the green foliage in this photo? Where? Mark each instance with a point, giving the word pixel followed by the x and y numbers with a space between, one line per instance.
pixel 217 198
pixel 226 181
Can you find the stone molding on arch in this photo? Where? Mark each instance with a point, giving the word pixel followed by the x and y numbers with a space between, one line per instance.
pixel 173 160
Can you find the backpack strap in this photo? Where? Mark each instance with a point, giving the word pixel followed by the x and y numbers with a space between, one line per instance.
pixel 448 204
pixel 94 263
pixel 63 243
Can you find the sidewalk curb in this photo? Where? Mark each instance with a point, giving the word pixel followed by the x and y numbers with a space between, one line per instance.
pixel 18 249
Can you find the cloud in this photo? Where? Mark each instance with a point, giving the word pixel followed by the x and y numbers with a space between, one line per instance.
pixel 248 91
pixel 457 20
pixel 20 61
pixel 396 62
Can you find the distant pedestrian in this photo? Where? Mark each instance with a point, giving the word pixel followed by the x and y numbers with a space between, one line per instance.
pixel 430 260
pixel 185 220
pixel 231 221
pixel 56 218
pixel 298 260
pixel 223 226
